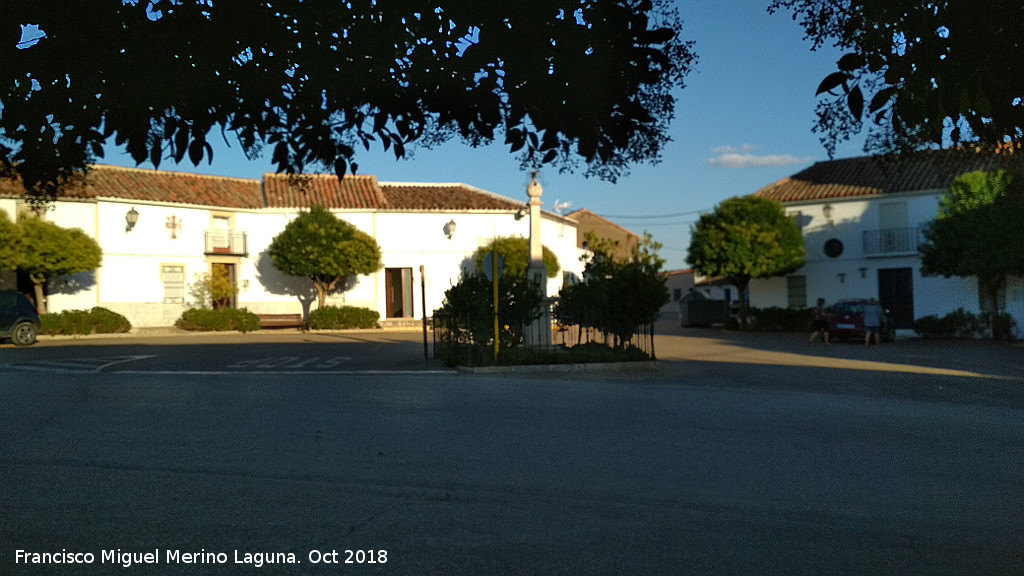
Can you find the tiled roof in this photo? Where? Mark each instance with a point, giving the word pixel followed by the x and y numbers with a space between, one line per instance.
pixel 158 186
pixel 350 192
pixel 444 197
pixel 276 191
pixel 871 175
pixel 586 216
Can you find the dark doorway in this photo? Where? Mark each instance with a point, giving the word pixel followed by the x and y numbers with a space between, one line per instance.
pixel 398 288
pixel 896 294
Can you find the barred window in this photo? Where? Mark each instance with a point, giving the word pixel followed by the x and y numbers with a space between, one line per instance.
pixel 796 291
pixel 173 278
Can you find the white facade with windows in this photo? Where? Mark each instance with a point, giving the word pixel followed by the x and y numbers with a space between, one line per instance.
pixel 150 268
pixel 862 224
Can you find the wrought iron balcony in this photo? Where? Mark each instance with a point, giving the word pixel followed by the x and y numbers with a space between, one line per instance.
pixel 892 241
pixel 230 242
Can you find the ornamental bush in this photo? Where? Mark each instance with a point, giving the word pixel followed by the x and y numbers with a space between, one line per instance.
pixel 776 319
pixel 342 317
pixel 962 324
pixel 95 321
pixel 205 320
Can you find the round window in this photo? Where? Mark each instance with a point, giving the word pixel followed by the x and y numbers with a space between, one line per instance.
pixel 833 248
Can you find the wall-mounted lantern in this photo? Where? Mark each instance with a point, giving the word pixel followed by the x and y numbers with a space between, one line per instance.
pixel 449 229
pixel 826 211
pixel 130 219
pixel 842 277
pixel 863 272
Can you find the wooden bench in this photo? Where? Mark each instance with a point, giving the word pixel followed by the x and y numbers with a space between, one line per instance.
pixel 281 321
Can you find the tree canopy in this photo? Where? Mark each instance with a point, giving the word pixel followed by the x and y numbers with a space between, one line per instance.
pixel 10 243
pixel 311 80
pixel 977 232
pixel 745 238
pixel 919 73
pixel 325 249
pixel 515 253
pixel 48 251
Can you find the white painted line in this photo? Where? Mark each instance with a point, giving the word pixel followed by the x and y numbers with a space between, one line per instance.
pixel 282 372
pixel 124 360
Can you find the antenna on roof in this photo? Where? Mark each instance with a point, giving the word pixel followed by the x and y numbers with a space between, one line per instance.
pixel 560 208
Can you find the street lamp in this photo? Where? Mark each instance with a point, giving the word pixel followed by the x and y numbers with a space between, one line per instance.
pixel 131 218
pixel 449 229
pixel 826 211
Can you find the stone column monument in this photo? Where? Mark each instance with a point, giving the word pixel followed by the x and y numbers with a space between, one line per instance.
pixel 538 333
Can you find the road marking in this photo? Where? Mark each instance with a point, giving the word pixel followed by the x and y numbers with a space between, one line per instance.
pixel 77 365
pixel 281 372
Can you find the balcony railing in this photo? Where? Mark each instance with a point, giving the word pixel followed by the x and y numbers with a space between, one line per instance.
pixel 226 242
pixel 891 241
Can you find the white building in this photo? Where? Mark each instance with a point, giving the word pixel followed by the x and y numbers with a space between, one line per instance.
pixel 861 220
pixel 189 224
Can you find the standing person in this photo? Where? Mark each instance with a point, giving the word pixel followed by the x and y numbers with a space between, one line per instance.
pixel 873 318
pixel 819 322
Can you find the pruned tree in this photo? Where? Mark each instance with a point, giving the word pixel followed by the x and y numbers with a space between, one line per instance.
pixel 10 243
pixel 919 73
pixel 977 233
pixel 311 80
pixel 49 251
pixel 515 253
pixel 745 238
pixel 327 250
pixel 617 295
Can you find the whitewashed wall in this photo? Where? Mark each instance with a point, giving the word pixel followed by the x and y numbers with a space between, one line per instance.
pixel 130 283
pixel 932 295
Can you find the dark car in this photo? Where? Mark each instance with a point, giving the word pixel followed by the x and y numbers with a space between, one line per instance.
pixel 846 320
pixel 18 318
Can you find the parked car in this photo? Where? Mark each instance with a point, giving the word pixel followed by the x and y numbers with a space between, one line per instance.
pixel 18 318
pixel 846 320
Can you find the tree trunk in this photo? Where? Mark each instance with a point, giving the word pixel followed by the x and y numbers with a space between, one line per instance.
pixel 38 281
pixel 988 291
pixel 321 294
pixel 741 287
pixel 323 288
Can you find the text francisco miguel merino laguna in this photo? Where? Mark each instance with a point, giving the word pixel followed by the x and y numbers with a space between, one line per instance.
pixel 255 559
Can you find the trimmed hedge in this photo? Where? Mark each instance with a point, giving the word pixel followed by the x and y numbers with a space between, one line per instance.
pixel 95 321
pixel 203 320
pixel 341 317
pixel 778 319
pixel 962 324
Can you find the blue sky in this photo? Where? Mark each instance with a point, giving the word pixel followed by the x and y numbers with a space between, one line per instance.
pixel 743 121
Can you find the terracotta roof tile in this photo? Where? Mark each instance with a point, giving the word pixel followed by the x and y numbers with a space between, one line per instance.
pixel 870 175
pixel 351 192
pixel 157 186
pixel 444 197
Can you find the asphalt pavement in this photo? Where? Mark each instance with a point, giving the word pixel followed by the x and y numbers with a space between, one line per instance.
pixel 738 454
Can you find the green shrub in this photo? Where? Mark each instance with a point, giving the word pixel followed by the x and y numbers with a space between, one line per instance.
pixel 591 352
pixel 108 322
pixel 203 319
pixel 776 319
pixel 95 321
pixel 342 317
pixel 962 324
pixel 1002 326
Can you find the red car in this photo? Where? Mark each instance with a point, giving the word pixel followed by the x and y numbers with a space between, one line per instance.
pixel 846 320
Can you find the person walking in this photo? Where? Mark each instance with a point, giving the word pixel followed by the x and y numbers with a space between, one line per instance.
pixel 819 322
pixel 874 315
